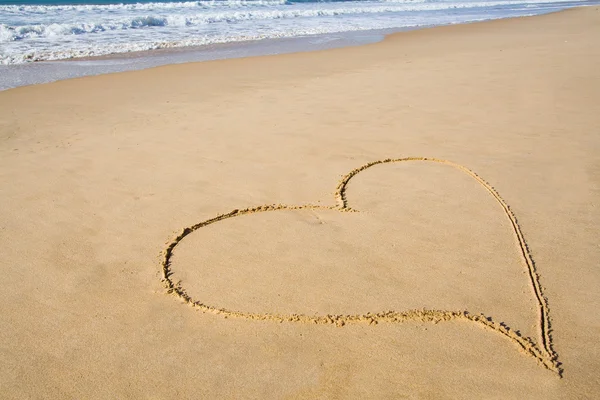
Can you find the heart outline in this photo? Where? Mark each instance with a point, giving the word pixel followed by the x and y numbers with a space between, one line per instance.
pixel 544 354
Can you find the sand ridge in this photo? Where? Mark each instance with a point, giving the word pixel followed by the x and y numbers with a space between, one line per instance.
pixel 542 352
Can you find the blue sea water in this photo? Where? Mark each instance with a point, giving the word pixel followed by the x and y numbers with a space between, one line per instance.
pixel 51 30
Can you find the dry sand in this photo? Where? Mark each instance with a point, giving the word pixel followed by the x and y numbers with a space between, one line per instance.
pixel 368 287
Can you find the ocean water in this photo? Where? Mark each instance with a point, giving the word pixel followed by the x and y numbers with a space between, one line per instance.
pixel 60 29
pixel 48 30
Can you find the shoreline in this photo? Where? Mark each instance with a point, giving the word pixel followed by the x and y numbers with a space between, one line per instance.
pixel 19 75
pixel 136 61
pixel 319 213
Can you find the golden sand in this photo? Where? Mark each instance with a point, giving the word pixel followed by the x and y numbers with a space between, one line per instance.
pixel 415 218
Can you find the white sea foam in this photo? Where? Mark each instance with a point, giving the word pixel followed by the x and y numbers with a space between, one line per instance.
pixel 142 6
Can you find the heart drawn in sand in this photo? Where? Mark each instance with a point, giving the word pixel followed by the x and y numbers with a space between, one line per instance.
pixel 541 349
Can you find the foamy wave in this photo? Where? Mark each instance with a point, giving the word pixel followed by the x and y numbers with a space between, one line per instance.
pixel 13 33
pixel 156 6
pixel 140 6
pixel 107 48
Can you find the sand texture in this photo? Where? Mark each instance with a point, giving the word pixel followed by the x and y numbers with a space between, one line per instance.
pixel 416 218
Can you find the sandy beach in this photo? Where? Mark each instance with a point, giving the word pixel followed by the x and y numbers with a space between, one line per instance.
pixel 416 218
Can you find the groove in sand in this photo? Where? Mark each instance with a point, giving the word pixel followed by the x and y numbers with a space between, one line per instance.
pixel 543 353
